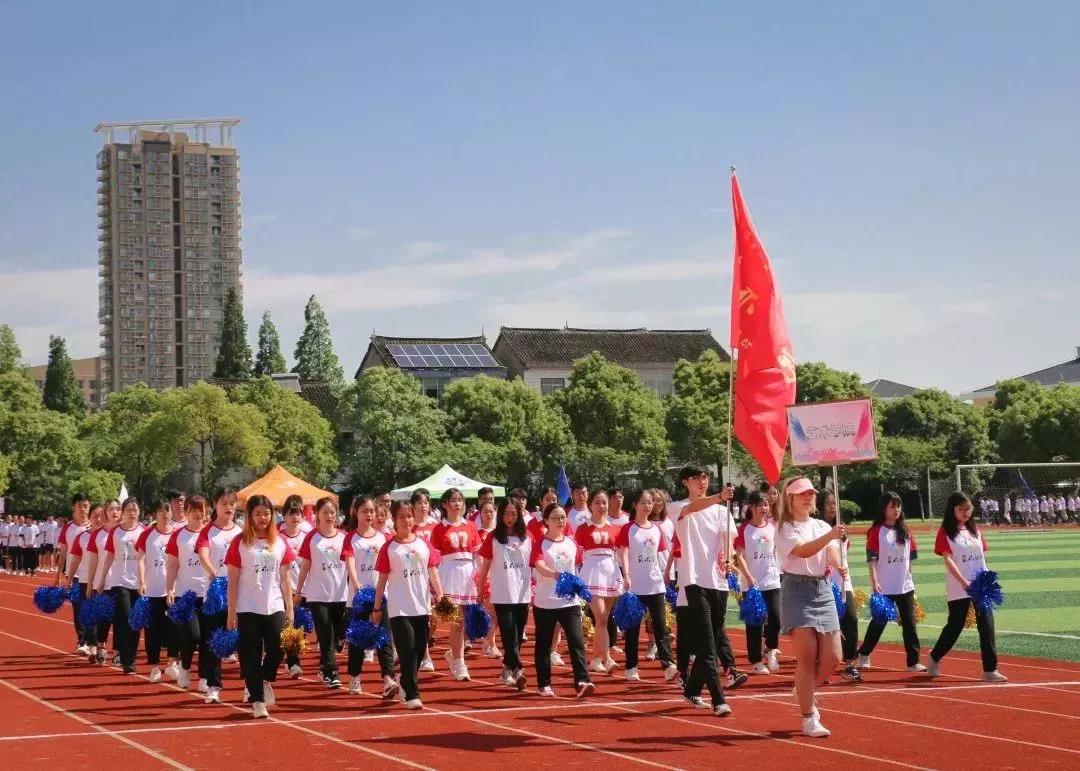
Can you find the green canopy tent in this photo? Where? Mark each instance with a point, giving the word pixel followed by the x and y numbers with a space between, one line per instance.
pixel 441 481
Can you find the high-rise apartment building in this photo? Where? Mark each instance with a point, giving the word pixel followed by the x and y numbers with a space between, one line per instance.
pixel 169 248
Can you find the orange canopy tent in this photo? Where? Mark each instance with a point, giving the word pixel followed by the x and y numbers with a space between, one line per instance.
pixel 278 484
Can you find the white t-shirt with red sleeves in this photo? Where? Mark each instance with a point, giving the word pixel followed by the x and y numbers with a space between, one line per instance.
pixel 124 570
pixel 405 565
pixel 792 534
pixel 511 582
pixel 758 545
pixel 535 528
pixel 456 541
pixel 561 556
pixel 327 580
pixel 424 529
pixel 78 547
pixel 68 535
pixel 152 545
pixel 295 542
pixel 578 517
pixel 258 587
pixel 190 573
pixel 893 558
pixel 644 546
pixel 217 541
pixel 704 536
pixel 96 546
pixel 363 551
pixel 968 552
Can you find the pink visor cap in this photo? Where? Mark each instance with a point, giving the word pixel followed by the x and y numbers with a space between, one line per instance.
pixel 798 486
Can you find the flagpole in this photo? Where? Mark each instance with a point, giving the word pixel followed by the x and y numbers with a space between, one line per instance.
pixel 730 393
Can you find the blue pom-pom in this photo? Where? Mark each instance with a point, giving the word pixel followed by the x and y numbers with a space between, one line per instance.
pixel 50 599
pixel 628 611
pixel 986 591
pixel 217 597
pixel 477 622
pixel 366 635
pixel 733 581
pixel 671 594
pixel 223 642
pixel 98 609
pixel 139 615
pixel 364 599
pixel 882 609
pixel 568 586
pixel 302 619
pixel 752 608
pixel 183 608
pixel 75 593
pixel 838 598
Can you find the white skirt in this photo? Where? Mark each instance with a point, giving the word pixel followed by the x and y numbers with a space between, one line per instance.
pixel 602 576
pixel 456 577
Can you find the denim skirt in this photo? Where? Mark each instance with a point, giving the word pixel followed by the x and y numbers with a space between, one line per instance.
pixel 807 601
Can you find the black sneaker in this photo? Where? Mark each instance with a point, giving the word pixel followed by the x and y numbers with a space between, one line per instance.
pixel 852 674
pixel 696 701
pixel 100 657
pixel 129 670
pixel 333 682
pixel 735 678
pixel 116 660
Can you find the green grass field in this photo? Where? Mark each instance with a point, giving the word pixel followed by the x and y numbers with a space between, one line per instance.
pixel 1039 572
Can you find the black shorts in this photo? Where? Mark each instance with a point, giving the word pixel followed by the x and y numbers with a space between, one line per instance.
pixel 47 548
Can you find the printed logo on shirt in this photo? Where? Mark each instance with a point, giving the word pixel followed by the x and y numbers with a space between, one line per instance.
pixel 331 555
pixel 513 559
pixel 264 559
pixel 458 540
pixel 414 563
pixel 600 537
pixel 898 551
pixel 763 547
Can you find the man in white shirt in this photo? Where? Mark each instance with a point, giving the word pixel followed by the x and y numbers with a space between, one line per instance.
pixel 578 513
pixel 5 557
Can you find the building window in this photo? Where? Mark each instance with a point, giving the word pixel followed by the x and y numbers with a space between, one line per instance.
pixel 433 386
pixel 549 385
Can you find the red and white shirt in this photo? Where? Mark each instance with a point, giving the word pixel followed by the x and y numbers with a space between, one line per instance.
pixel 424 529
pixel 152 545
pixel 295 542
pixel 405 565
pixel 456 541
pixel 217 541
pixel 124 570
pixel 535 528
pixel 644 547
pixel 893 558
pixel 67 536
pixel 78 547
pixel 968 552
pixel 510 574
pixel 363 551
pixel 258 587
pixel 562 557
pixel 96 546
pixel 327 580
pixel 758 545
pixel 190 574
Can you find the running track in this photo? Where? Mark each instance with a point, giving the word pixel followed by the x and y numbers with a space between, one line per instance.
pixel 57 711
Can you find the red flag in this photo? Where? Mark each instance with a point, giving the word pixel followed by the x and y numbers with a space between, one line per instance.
pixel 765 373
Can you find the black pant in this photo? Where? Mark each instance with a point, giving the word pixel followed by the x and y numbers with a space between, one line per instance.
pixel 127 639
pixel 771 627
pixel 195 634
pixel 958 610
pixel 259 649
pixel 76 606
pixel 31 556
pixel 849 629
pixel 655 604
pixel 905 604
pixel 17 558
pixel 211 669
pixel 612 628
pixel 329 620
pixel 411 641
pixel 570 620
pixel 684 640
pixel 384 654
pixel 706 607
pixel 97 634
pixel 159 633
pixel 512 619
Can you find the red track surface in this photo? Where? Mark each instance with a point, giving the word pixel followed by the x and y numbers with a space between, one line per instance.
pixel 57 710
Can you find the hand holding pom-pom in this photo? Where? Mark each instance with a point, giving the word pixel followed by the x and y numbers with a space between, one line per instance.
pixel 568 586
pixel 183 608
pixel 217 597
pixel 752 609
pixel 477 622
pixel 446 611
pixel 293 641
pixel 838 598
pixel 365 635
pixel 628 611
pixel 302 619
pixel 882 609
pixel 223 642
pixel 49 599
pixel 139 615
pixel 986 591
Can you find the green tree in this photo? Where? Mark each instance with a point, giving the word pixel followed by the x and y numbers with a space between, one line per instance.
pixel 300 438
pixel 397 432
pixel 1039 425
pixel 10 355
pixel 608 406
pixel 269 359
pixel 315 357
pixel 43 454
pixel 5 473
pixel 62 392
pixel 479 459
pixel 818 382
pixel 234 354
pixel 935 415
pixel 18 393
pixel 98 484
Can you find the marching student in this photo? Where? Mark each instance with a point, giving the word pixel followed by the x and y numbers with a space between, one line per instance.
pixel 65 574
pixel 963 550
pixel 79 571
pixel 420 503
pixel 504 560
pixel 185 572
pixel 756 546
pixel 212 546
pixel 602 574
pixel 297 502
pixel 890 550
pixel 31 535
pixel 456 540
pixel 121 579
pixel 359 554
pixel 578 512
pixel 659 515
pixel 641 545
pixel 849 622
pixel 177 517
pixel 292 530
pixel 95 550
pixel 485 525
pixel 324 586
pixel 805 549
pixel 410 581
pixel 153 567
pixel 553 554
pixel 260 600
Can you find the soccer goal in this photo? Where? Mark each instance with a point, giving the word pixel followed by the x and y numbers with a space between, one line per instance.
pixel 1022 493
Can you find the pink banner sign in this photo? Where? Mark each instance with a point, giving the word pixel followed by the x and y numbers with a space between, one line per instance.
pixel 832 433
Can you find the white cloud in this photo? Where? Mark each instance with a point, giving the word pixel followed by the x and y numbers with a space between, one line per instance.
pixel 40 303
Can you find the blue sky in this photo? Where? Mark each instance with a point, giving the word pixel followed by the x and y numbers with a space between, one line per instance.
pixel 441 168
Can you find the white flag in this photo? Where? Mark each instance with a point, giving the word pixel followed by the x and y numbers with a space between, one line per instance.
pixel 123 492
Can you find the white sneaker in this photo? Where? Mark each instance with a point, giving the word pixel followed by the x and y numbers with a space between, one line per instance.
pixel 811 726
pixel 723 709
pixel 492 652
pixel 414 704
pixel 557 660
pixel 369 656
pixel 258 710
pixel 202 687
pixel 650 654
pixel 916 668
pixel 934 670
pixel 598 666
pixel 295 671
pixel 759 669
pixel 632 674
pixel 615 649
pixel 460 671
pixel 155 675
pixel 183 678
pixel 670 673
pixel 994 677
pixel 546 691
pixel 247 696
pixel 171 670
pixel 611 665
pixel 82 650
pixel 391 688
pixel 864 662
pixel 506 677
pixel 354 686
pixel 269 699
pixel 771 661
pixel 696 702
pixel 213 696
pixel 427 665
pixel 232 659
